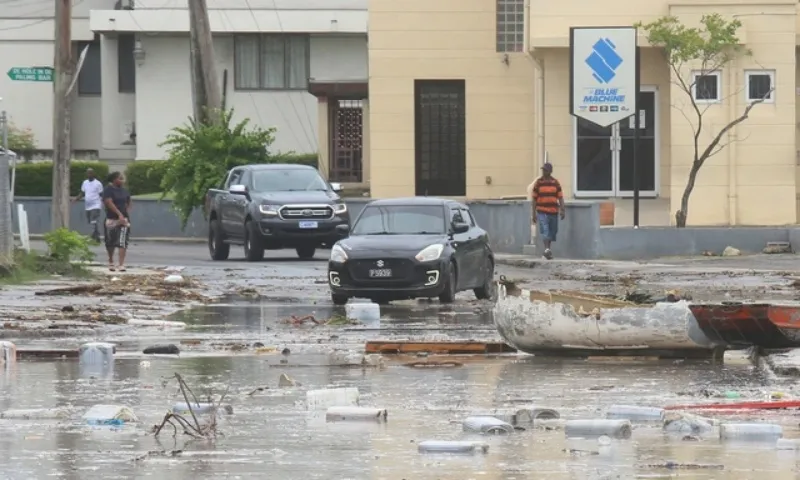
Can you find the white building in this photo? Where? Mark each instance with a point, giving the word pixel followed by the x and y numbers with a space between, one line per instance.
pixel 279 61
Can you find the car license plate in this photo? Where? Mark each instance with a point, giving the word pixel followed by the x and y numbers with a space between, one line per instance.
pixel 381 273
pixel 309 225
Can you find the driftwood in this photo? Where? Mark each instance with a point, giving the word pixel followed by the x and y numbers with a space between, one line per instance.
pixel 192 428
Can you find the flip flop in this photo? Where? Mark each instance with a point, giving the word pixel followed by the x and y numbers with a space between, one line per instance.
pixel 122 269
pixel 111 268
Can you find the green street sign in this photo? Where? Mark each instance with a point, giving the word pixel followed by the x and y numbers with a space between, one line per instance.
pixel 31 74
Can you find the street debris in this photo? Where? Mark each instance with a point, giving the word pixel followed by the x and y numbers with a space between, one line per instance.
pixel 750 431
pixel 620 429
pixel 365 312
pixel 58 413
pixel 453 348
pixel 684 466
pixel 434 364
pixel 334 320
pixel 731 252
pixel 168 349
pixel 194 428
pixel 682 422
pixel 520 416
pixel 777 248
pixel 347 358
pixel 115 415
pixel 286 381
pixel 332 397
pixel 452 446
pixel 487 425
pixel 635 413
pixel 342 414
pixel 148 285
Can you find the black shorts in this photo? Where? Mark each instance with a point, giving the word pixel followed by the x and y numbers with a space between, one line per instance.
pixel 117 237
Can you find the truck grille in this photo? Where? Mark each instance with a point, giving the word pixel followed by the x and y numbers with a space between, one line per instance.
pixel 303 212
pixel 401 269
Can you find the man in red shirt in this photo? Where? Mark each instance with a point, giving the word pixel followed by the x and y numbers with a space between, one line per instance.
pixel 547 201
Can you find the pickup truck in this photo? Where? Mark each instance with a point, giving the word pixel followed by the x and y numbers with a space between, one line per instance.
pixel 271 207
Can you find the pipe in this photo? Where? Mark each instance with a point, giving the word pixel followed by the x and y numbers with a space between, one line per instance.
pixel 635 413
pixel 451 446
pixel 733 200
pixel 338 414
pixel 750 431
pixel 620 429
pixel 487 425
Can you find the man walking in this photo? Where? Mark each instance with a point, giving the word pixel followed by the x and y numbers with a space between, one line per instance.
pixel 547 201
pixel 117 201
pixel 91 191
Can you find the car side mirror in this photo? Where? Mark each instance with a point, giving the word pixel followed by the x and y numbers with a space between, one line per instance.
pixel 343 229
pixel 336 187
pixel 237 190
pixel 459 227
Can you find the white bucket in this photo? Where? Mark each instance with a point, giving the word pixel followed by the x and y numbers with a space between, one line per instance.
pixel 364 312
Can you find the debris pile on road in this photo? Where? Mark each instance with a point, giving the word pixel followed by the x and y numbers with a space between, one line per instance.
pixel 153 286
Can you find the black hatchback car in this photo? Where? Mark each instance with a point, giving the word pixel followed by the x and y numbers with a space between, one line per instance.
pixel 404 248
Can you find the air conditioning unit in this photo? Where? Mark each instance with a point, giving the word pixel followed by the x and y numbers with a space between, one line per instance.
pixel 124 5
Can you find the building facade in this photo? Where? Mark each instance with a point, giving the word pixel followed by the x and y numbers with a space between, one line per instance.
pixel 469 97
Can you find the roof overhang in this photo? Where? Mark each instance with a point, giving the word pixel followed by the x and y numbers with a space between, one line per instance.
pixel 231 21
pixel 356 89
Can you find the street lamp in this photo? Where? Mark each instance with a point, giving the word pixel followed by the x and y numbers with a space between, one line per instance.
pixel 138 52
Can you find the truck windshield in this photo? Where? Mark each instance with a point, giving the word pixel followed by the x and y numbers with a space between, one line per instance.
pixel 400 220
pixel 288 180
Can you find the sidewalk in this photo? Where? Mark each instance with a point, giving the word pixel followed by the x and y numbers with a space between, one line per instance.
pixel 39 236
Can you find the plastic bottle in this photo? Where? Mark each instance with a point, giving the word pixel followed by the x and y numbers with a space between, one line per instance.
pixel 635 413
pixel 451 446
pixel 750 431
pixel 620 429
pixel 487 426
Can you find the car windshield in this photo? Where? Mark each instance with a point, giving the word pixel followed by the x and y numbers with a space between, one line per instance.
pixel 287 180
pixel 400 220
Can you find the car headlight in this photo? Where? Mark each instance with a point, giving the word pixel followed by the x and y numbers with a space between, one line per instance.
pixel 338 254
pixel 339 208
pixel 269 209
pixel 430 253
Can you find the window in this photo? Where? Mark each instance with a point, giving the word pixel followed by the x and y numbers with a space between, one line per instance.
pixel 440 138
pixel 400 220
pixel 288 180
pixel 510 25
pixel 455 216
pixel 468 216
pixel 233 179
pixel 707 87
pixel 271 62
pixel 760 85
pixel 89 79
pixel 126 65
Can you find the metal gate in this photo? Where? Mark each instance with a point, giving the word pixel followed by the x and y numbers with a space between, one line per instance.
pixel 440 138
pixel 347 141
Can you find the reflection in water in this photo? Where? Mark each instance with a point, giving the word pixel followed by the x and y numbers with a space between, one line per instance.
pixel 272 432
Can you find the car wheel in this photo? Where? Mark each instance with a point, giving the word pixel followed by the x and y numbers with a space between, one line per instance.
pixel 306 253
pixel 488 290
pixel 339 299
pixel 448 295
pixel 253 245
pixel 217 248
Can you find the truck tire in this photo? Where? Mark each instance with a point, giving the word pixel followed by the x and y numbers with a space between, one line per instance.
pixel 306 253
pixel 217 248
pixel 253 243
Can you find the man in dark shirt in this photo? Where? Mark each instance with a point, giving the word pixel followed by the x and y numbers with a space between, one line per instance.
pixel 117 202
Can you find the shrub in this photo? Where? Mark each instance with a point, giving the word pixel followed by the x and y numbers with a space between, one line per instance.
pixel 36 179
pixel 145 176
pixel 66 245
pixel 20 139
pixel 309 159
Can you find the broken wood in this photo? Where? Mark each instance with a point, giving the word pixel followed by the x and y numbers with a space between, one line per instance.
pixel 28 354
pixel 452 348
pixel 73 290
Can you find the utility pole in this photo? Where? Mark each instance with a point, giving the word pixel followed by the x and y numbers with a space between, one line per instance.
pixel 6 229
pixel 206 94
pixel 62 113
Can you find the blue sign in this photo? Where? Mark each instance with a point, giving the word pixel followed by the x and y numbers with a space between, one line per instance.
pixel 604 60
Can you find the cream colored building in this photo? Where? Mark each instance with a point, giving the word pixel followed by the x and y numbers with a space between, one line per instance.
pixel 468 97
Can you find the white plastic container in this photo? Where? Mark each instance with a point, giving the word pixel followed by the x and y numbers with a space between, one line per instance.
pixel 36 414
pixel 452 446
pixel 198 408
pixel 332 397
pixel 788 444
pixel 619 429
pixel 173 279
pixel 363 311
pixel 750 431
pixel 8 352
pixel 519 416
pixel 109 415
pixel 96 353
pixel 635 413
pixel 487 426
pixel 343 414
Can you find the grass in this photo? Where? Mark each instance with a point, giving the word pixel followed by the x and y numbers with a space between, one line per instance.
pixel 32 267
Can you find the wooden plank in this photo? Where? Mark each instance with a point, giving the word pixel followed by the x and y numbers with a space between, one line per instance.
pixel 28 354
pixel 437 347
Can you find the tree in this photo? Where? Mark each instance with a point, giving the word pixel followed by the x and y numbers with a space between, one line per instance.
pixel 199 155
pixel 694 53
pixel 20 139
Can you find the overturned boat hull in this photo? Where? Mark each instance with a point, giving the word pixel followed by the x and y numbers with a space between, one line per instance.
pixel 575 324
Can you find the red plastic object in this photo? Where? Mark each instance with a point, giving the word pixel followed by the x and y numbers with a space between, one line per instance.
pixel 739 406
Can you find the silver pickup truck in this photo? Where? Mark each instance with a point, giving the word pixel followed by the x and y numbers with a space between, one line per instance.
pixel 271 207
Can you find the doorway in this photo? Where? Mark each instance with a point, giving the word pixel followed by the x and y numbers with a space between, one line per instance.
pixel 603 156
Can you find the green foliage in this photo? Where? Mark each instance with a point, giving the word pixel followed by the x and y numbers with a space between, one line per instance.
pixel 310 159
pixel 145 176
pixel 36 179
pixel 20 139
pixel 199 156
pixel 67 245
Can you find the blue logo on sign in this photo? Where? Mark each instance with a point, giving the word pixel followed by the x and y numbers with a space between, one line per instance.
pixel 604 60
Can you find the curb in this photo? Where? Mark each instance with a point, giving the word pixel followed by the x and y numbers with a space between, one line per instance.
pixel 39 236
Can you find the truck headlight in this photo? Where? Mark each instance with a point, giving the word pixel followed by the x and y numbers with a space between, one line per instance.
pixel 430 253
pixel 338 255
pixel 269 209
pixel 339 208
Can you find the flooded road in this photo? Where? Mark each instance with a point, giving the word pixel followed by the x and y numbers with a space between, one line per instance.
pixel 270 433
